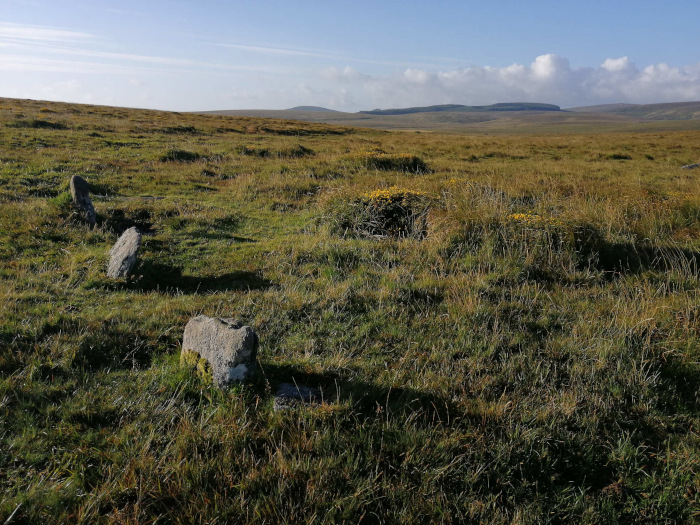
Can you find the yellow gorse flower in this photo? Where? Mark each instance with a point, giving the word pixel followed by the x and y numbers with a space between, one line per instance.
pixel 680 196
pixel 392 194
pixel 534 220
pixel 378 154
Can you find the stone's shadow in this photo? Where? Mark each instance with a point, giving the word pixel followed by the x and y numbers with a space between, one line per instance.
pixel 241 239
pixel 680 384
pixel 368 400
pixel 114 348
pixel 567 461
pixel 152 276
pixel 220 236
pixel 118 220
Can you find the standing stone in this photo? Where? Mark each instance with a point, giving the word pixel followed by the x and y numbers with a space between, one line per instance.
pixel 290 395
pixel 222 350
pixel 691 166
pixel 80 191
pixel 123 255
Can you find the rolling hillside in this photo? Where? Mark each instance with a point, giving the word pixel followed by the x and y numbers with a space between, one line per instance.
pixel 508 106
pixel 312 108
pixel 667 111
pixel 502 118
pixel 504 329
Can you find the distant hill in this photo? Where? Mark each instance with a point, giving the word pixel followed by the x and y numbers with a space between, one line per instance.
pixel 312 108
pixel 666 111
pixel 501 118
pixel 505 106
pixel 600 108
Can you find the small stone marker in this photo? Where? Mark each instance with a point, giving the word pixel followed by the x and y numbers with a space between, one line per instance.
pixel 691 166
pixel 123 255
pixel 80 192
pixel 221 349
pixel 290 396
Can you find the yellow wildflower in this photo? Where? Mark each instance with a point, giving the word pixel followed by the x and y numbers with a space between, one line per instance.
pixel 534 220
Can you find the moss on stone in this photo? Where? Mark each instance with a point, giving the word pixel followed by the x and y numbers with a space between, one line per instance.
pixel 202 367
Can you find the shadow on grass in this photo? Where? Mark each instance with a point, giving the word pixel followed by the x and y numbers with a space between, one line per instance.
pixel 220 236
pixel 616 259
pixel 369 401
pixel 119 220
pixel 160 277
pixel 679 386
pixel 517 473
pixel 628 258
pixel 619 258
pixel 113 347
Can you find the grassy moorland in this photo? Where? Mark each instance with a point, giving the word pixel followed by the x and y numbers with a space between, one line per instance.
pixel 506 328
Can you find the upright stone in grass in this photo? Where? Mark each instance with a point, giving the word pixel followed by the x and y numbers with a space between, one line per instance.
pixel 80 192
pixel 222 350
pixel 124 253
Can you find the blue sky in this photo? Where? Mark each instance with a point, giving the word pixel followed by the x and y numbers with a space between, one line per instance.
pixel 348 55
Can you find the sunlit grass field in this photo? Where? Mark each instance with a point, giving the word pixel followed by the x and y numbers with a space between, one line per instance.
pixel 506 329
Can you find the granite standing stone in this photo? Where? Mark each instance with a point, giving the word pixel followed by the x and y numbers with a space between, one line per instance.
pixel 223 349
pixel 80 192
pixel 691 166
pixel 124 253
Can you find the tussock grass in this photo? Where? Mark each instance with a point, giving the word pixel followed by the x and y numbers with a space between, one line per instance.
pixel 376 159
pixel 36 123
pixel 529 354
pixel 394 212
pixel 180 155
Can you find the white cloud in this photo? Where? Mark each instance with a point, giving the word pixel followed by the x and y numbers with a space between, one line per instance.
pixel 23 63
pixel 32 33
pixel 549 78
pixel 31 46
pixel 313 53
pixel 549 66
pixel 241 95
pixel 278 76
pixel 617 64
pixel 347 74
pixel 417 76
pixel 275 50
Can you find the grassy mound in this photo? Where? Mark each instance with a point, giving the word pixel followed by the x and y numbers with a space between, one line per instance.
pixel 392 212
pixel 374 159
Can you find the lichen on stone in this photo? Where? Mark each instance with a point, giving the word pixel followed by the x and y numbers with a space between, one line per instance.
pixel 196 362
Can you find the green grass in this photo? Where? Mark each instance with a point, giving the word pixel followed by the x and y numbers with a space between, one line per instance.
pixel 530 357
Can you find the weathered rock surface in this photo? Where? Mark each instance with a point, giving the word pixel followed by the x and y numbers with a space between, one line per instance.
pixel 124 254
pixel 80 192
pixel 223 349
pixel 691 166
pixel 290 395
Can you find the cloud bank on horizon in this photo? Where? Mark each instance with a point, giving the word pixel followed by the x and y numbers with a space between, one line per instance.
pixel 549 78
pixel 59 64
